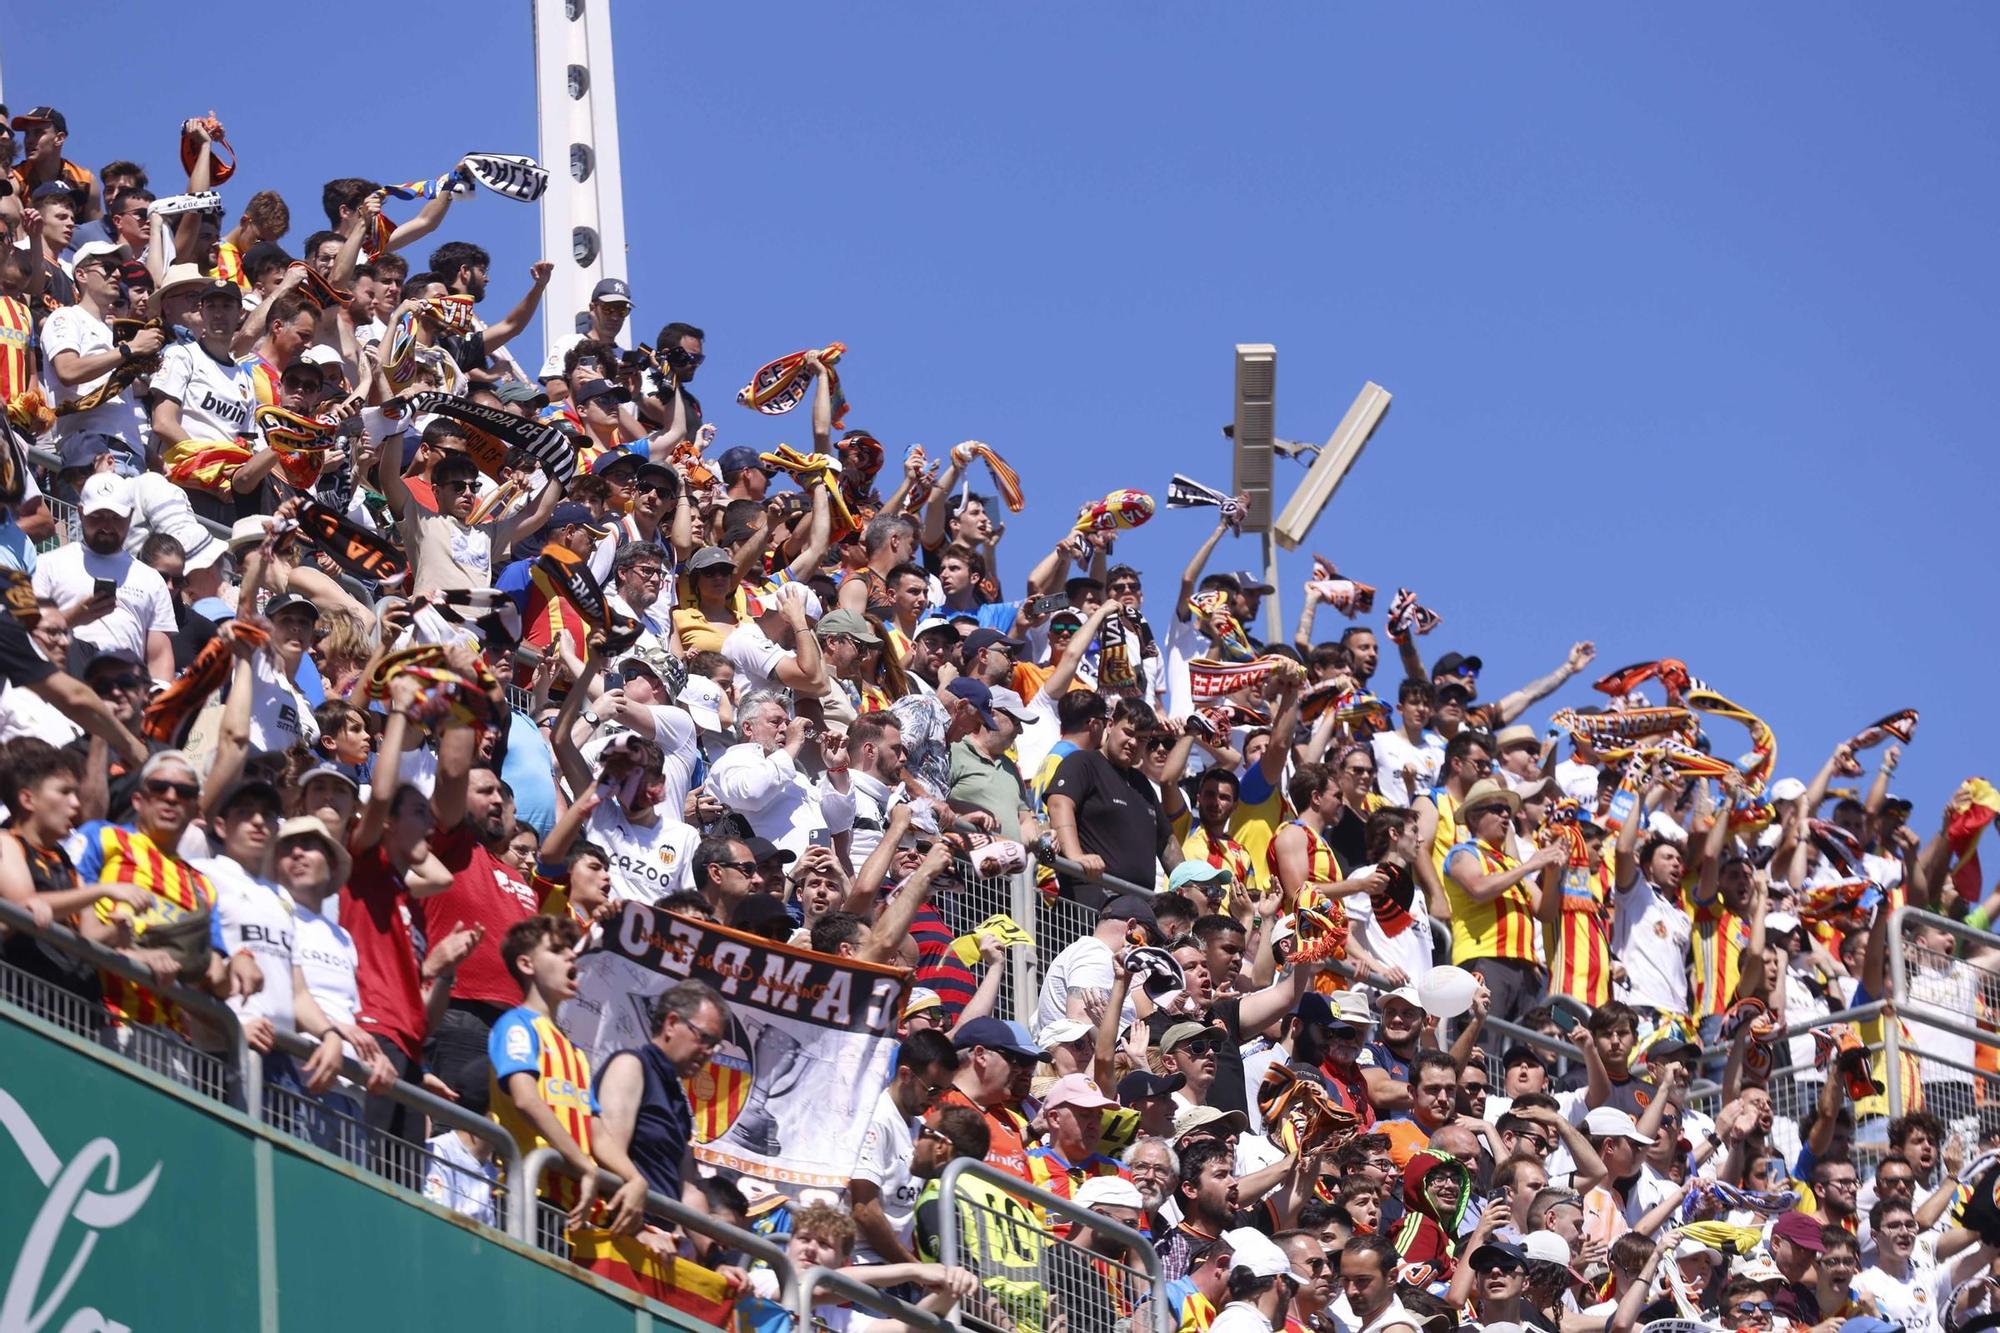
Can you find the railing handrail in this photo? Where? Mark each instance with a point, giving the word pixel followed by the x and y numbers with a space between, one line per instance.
pixel 1136 1244
pixel 872 1299
pixel 52 462
pixel 221 1016
pixel 1899 975
pixel 521 1216
pixel 1568 1050
pixel 441 1112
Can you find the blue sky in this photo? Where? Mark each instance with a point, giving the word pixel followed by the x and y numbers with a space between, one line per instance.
pixel 1689 315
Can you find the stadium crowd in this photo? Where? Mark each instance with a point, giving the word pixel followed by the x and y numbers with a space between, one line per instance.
pixel 398 665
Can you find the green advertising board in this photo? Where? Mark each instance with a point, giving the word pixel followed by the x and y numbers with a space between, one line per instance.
pixel 126 1204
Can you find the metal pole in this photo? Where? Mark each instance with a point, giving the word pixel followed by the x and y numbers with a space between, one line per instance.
pixel 1022 965
pixel 1274 631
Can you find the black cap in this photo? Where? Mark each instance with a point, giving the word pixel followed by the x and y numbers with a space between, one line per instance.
pixel 595 389
pixel 763 914
pixel 41 115
pixel 289 601
pixel 1140 1084
pixel 763 849
pixel 1449 664
pixel 55 189
pixel 1519 1054
pixel 252 789
pixel 989 638
pixel 1129 907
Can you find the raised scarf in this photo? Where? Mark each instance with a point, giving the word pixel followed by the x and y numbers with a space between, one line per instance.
pixel 1184 492
pixel 1901 724
pixel 1407 618
pixel 1005 479
pixel 781 385
pixel 1120 509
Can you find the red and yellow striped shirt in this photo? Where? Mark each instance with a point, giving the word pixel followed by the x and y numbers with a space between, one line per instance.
pixel 126 856
pixel 1720 937
pixel 1582 968
pixel 1322 866
pixel 229 265
pixel 526 1042
pixel 1501 928
pixel 264 377
pixel 17 334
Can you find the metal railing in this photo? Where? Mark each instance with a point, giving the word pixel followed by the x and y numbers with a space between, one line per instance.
pixel 48 466
pixel 855 1292
pixel 535 1221
pixel 236 1079
pixel 1031 1271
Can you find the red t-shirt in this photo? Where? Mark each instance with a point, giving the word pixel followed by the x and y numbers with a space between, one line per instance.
pixel 484 891
pixel 374 910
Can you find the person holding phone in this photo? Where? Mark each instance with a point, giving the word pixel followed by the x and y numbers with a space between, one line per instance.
pixel 112 602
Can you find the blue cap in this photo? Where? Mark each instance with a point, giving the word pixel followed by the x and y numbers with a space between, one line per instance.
pixel 84 448
pixel 1193 870
pixel 995 1035
pixel 977 693
pixel 570 513
pixel 611 289
pixel 738 460
pixel 610 458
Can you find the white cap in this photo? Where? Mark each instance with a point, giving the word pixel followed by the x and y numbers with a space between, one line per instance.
pixel 1546 1246
pixel 1009 702
pixel 319 354
pixel 1260 1254
pixel 1756 1268
pixel 1407 994
pixel 801 593
pixel 90 250
pixel 928 624
pixel 1780 923
pixel 1690 1248
pixel 1116 1191
pixel 1608 1122
pixel 1061 1032
pixel 106 490
pixel 1787 789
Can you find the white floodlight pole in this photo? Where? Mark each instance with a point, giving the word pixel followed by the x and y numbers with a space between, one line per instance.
pixel 583 212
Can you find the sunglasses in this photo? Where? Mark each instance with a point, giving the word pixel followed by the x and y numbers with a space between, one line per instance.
pixel 655 486
pixel 1747 1309
pixel 1344 1032
pixel 1508 1266
pixel 464 484
pixel 1199 1046
pixel 187 791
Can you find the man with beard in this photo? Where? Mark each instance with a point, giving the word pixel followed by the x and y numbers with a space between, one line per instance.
pixel 1151 1160
pixel 1094 1274
pixel 883 1190
pixel 485 893
pixel 1232 1018
pixel 1208 1195
pixel 112 602
pixel 645 1126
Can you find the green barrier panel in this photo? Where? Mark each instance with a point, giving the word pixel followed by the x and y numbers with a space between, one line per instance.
pixel 126 1204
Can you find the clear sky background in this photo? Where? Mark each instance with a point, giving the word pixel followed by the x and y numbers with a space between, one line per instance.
pixel 1690 315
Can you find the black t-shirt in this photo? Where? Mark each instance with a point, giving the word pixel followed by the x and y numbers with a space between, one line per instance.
pixel 1118 817
pixel 1227 1093
pixel 194 630
pixel 20 664
pixel 468 351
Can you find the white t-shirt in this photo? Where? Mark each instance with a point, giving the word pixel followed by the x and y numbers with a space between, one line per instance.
pixel 74 329
pixel 1394 752
pixel 648 862
pixel 1182 643
pixel 280 714
pixel 1085 964
pixel 216 397
pixel 1917 1304
pixel 754 655
pixel 259 916
pixel 25 713
pixel 1410 950
pixel 327 957
pixel 69 574
pixel 1651 936
pixel 455 1179
pixel 674 733
pixel 886 1149
pixel 1240 1317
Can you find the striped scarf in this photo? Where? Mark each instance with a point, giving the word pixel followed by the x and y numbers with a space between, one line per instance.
pixel 1005 479
pixel 781 385
pixel 1407 618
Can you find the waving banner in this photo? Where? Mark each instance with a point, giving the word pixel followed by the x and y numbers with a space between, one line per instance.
pixel 787 1095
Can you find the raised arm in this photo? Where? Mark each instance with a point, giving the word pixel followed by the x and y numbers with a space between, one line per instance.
pixel 509 325
pixel 893 925
pixel 1191 576
pixel 939 500
pixel 1515 702
pixel 819 530
pixel 386 778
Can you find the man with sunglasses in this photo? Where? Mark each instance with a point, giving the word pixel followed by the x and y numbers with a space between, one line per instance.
pixel 994 1054
pixel 883 1190
pixel 80 351
pixel 447 550
pixel 145 856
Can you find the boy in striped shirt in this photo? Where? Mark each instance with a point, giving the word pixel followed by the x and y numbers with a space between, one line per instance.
pixel 541 1082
